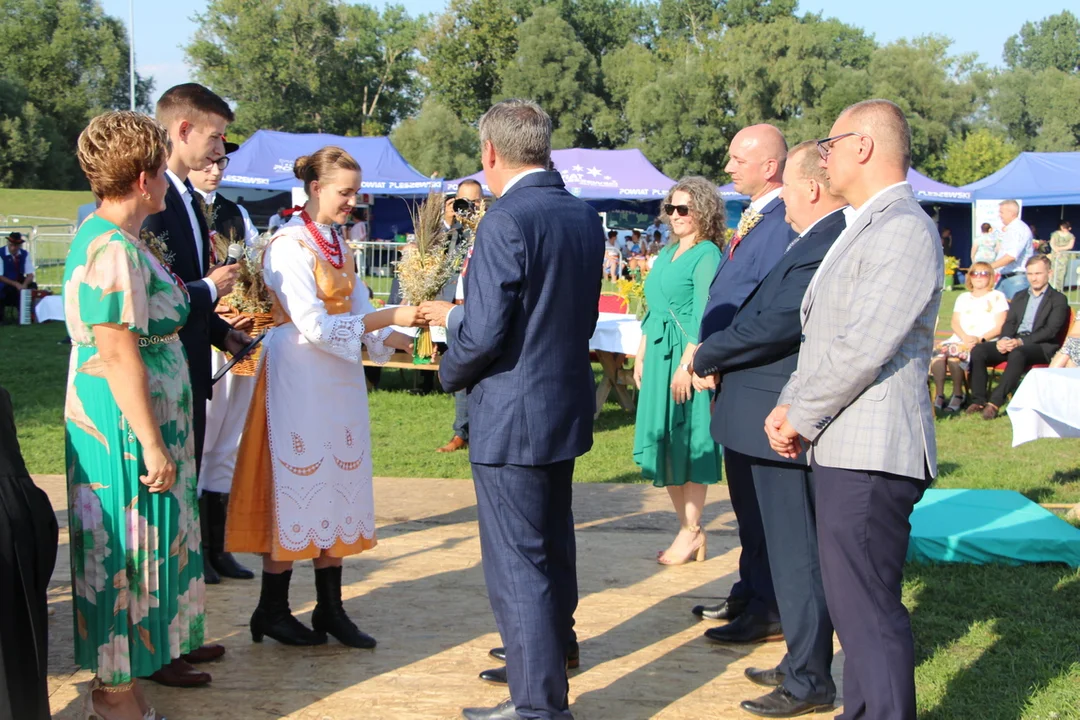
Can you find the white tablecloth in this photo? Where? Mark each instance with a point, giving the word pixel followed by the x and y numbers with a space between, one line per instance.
pixel 50 307
pixel 1046 405
pixel 617 333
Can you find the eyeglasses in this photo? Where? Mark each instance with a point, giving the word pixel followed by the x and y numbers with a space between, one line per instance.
pixel 824 146
pixel 222 163
pixel 670 209
pixel 980 273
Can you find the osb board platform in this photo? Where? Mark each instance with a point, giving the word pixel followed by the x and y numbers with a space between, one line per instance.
pixel 421 593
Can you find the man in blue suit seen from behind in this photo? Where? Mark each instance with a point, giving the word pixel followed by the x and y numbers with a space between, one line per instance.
pixel 758 154
pixel 755 357
pixel 521 347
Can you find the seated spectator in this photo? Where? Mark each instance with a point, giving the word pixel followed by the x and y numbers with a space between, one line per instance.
pixel 978 316
pixel 276 221
pixel 638 259
pixel 612 256
pixel 654 249
pixel 1029 337
pixel 16 272
pixel 985 247
pixel 1069 354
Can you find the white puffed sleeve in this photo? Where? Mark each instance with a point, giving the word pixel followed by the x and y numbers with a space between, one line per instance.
pixel 361 305
pixel 289 270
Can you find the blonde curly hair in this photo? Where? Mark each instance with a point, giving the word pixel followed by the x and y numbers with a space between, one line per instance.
pixel 116 147
pixel 706 207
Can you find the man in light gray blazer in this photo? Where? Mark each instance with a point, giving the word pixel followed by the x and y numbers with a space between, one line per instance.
pixel 858 398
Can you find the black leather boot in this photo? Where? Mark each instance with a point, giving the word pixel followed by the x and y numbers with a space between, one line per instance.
pixel 274 619
pixel 210 575
pixel 329 615
pixel 223 563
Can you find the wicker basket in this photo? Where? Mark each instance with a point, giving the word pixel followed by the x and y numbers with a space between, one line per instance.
pixel 260 323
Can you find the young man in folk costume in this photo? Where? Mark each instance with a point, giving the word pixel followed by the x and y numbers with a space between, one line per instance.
pixel 303 482
pixel 227 409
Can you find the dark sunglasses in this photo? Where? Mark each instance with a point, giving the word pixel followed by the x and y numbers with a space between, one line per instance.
pixel 670 209
pixel 980 273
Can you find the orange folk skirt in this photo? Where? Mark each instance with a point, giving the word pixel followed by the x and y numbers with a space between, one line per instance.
pixel 250 525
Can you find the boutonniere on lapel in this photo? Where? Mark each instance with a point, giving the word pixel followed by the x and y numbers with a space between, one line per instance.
pixel 210 211
pixel 158 245
pixel 749 220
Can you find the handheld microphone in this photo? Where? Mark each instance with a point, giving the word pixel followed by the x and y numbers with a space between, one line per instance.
pixel 236 251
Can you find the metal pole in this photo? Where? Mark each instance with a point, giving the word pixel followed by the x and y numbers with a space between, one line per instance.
pixel 131 49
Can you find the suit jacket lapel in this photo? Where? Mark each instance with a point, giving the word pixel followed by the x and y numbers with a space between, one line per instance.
pixel 204 230
pixel 847 239
pixel 174 202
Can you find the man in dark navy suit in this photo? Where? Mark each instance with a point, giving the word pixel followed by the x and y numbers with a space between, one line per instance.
pixel 521 347
pixel 757 161
pixel 195 119
pixel 754 358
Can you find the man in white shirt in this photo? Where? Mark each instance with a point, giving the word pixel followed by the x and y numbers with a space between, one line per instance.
pixel 276 221
pixel 1016 248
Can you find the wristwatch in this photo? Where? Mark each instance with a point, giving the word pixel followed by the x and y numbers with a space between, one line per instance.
pixel 685 367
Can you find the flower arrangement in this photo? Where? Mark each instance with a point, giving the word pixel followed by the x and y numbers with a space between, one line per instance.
pixel 951 266
pixel 426 265
pixel 633 291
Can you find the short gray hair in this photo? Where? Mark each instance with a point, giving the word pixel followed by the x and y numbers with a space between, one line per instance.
pixel 520 132
pixel 1010 203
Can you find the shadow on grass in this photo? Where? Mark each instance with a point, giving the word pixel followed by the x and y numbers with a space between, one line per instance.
pixel 992 637
pixel 1064 477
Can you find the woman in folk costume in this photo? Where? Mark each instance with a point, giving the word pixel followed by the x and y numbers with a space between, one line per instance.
pixel 302 487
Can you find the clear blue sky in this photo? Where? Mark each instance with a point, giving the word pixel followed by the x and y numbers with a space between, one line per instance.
pixel 982 26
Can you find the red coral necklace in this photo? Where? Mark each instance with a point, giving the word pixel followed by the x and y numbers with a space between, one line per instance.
pixel 334 252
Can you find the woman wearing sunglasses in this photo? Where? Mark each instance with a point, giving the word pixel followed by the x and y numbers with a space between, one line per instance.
pixel 671 439
pixel 977 316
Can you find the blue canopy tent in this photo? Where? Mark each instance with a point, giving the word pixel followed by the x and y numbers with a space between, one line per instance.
pixel 1036 178
pixel 265 162
pixel 602 175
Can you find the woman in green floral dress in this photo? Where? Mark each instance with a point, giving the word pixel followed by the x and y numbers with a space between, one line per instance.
pixel 135 542
pixel 672 443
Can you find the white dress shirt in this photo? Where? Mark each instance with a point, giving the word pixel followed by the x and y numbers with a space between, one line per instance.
pixel 181 187
pixel 1018 243
pixel 759 204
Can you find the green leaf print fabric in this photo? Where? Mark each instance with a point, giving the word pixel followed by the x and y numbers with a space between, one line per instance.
pixel 136 561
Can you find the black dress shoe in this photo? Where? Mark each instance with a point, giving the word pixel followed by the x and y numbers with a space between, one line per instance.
pixel 765 678
pixel 573 655
pixel 746 629
pixel 503 711
pixel 210 576
pixel 727 609
pixel 494 675
pixel 226 566
pixel 782 704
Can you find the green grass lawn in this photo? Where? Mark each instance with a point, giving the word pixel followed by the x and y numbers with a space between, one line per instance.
pixel 993 643
pixel 41 203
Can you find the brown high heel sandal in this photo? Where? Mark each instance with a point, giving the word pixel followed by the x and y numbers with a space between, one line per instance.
pixel 697 553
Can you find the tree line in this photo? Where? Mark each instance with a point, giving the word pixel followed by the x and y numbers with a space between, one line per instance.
pixel 675 78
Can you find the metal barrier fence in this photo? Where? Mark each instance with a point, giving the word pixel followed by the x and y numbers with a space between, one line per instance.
pixel 376 263
pixel 48 247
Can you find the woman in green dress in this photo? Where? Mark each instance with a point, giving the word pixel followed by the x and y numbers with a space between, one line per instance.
pixel 135 543
pixel 672 443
